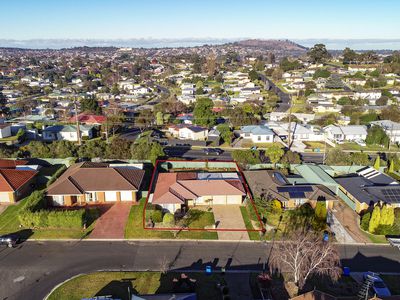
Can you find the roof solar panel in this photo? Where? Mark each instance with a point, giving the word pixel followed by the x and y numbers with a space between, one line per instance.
pixel 297 195
pixel 294 188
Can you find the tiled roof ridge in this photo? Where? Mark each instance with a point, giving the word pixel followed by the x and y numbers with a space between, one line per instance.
pixel 75 183
pixel 120 174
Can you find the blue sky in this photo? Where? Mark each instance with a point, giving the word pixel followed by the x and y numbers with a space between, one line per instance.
pixel 115 19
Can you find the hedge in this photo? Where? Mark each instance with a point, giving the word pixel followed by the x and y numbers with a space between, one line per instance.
pixel 35 216
pixel 56 175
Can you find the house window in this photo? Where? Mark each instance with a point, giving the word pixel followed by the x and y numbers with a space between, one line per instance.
pixel 267 138
pixel 91 197
pixel 247 134
pixel 299 201
pixel 58 200
pixel 259 138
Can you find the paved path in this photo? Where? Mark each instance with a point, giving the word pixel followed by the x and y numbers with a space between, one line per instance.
pixel 230 217
pixel 341 234
pixel 111 225
pixel 32 269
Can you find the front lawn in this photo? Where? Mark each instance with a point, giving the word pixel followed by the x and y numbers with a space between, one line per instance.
pixel 134 228
pixel 117 285
pixel 356 147
pixel 253 235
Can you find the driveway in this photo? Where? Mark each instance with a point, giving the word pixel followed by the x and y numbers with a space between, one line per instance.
pixel 111 225
pixel 230 217
pixel 349 219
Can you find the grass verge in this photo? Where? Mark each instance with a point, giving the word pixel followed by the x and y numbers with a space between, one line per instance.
pixel 116 284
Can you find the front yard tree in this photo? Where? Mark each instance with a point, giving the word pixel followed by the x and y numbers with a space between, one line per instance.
pixel 304 255
pixel 375 219
pixel 226 133
pixel 376 135
pixel 203 114
pixel 377 163
pixel 246 157
pixel 274 153
pixel 318 53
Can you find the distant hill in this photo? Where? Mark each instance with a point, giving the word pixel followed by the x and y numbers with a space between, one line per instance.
pixel 271 45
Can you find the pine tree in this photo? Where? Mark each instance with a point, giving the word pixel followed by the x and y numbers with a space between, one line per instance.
pixel 391 166
pixel 375 219
pixel 377 163
pixel 384 215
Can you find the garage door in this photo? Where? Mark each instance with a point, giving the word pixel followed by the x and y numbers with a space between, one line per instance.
pixel 219 200
pixel 126 196
pixel 110 196
pixel 234 200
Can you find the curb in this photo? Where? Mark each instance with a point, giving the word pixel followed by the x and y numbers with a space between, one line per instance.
pixel 188 241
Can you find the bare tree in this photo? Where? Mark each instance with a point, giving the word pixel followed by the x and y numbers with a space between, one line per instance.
pixel 305 254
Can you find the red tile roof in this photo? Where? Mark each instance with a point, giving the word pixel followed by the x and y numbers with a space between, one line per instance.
pixel 175 188
pixel 11 179
pixel 11 163
pixel 89 119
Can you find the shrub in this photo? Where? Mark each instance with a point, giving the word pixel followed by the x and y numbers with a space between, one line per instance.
pixel 56 175
pixel 275 206
pixel 157 216
pixel 168 219
pixel 365 221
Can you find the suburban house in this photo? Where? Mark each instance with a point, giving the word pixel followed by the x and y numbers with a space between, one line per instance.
pixel 278 116
pixel 5 130
pixel 371 96
pixel 367 187
pixel 391 128
pixel 346 133
pixel 96 183
pixel 15 184
pixel 182 190
pixel 257 133
pixel 298 132
pixel 88 119
pixel 188 132
pixel 67 132
pixel 273 185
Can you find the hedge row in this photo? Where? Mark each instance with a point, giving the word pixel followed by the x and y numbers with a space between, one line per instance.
pixel 55 219
pixel 56 175
pixel 34 215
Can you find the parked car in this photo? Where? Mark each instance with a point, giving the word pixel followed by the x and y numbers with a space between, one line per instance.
pixel 378 287
pixel 211 151
pixel 11 240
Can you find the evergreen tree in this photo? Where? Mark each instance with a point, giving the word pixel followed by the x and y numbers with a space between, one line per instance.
pixel 365 221
pixel 375 219
pixel 377 163
pixel 387 215
pixel 320 211
pixel 391 166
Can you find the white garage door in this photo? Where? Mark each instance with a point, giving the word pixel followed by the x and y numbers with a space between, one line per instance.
pixel 219 200
pixel 111 196
pixel 234 200
pixel 126 196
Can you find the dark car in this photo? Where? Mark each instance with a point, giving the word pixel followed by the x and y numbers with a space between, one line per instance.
pixel 211 151
pixel 378 287
pixel 11 240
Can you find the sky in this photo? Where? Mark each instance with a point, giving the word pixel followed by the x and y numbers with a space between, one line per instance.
pixel 176 19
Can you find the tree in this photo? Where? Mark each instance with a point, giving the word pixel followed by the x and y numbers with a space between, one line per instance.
pixel 359 158
pixel 203 114
pixel 226 133
pixel 321 73
pixel 291 157
pixel 253 75
pixel 303 255
pixel 337 157
pixel 287 64
pixel 274 153
pixel 318 53
pixel 375 219
pixel 246 157
pixel 277 74
pixel 115 90
pixel 377 163
pixel 387 215
pixel 321 211
pixel 146 150
pixel 90 105
pixel 168 219
pixel 391 166
pixel 376 136
pixel 118 149
pixel 349 56
pixel 159 118
pixel 365 221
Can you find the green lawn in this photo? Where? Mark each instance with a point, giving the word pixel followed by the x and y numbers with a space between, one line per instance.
pixel 140 283
pixel 134 229
pixel 355 146
pixel 319 145
pixel 253 235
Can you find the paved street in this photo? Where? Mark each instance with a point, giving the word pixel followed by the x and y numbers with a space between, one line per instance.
pixel 34 268
pixel 184 152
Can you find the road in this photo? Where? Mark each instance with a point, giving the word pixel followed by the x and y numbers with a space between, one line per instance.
pixel 185 152
pixel 312 157
pixel 284 103
pixel 34 268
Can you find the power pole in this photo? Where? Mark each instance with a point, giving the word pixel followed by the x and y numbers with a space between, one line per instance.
pixel 78 130
pixel 290 121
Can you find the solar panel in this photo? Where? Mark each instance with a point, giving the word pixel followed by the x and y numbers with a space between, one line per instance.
pixel 294 188
pixel 391 195
pixel 297 195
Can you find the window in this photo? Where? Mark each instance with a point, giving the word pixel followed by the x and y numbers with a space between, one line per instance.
pixel 259 138
pixel 298 201
pixel 58 200
pixel 90 197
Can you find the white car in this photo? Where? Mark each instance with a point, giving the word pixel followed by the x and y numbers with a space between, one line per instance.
pixel 361 143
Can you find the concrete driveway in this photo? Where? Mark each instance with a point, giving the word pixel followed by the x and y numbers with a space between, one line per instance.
pixel 229 217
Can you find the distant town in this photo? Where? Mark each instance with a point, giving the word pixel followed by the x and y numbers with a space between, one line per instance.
pixel 289 155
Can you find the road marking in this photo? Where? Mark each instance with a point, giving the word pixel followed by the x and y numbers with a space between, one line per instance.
pixel 19 279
